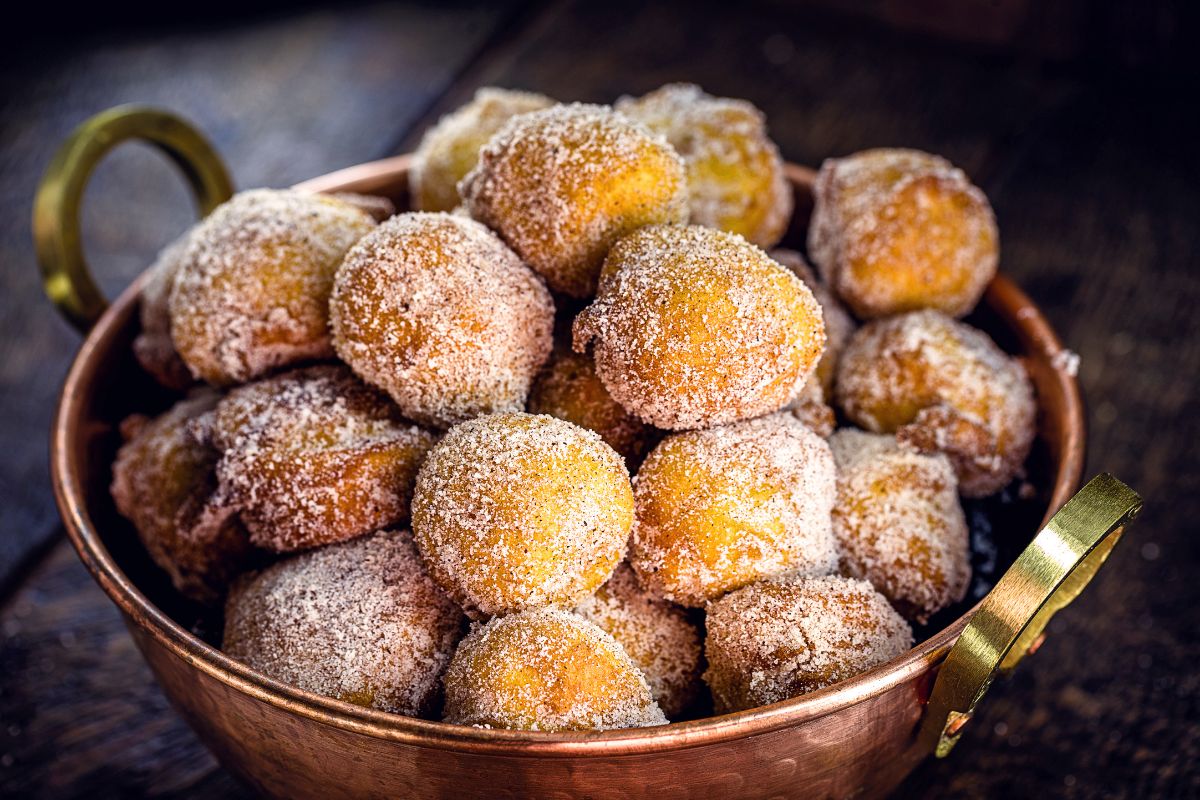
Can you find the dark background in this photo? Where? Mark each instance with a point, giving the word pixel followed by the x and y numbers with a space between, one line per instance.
pixel 1076 118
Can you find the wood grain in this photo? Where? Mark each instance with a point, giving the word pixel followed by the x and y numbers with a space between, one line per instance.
pixel 1092 180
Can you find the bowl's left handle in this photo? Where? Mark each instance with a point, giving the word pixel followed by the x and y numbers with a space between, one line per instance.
pixel 65 275
pixel 1010 623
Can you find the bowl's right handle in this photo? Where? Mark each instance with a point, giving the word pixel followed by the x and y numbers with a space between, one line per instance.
pixel 1011 621
pixel 65 275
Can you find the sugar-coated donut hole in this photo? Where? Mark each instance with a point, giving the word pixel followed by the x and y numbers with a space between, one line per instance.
pixel 941 386
pixel 789 636
pixel 899 523
pixel 727 506
pixel 694 327
pixel 735 174
pixel 358 621
pixel 659 637
pixel 899 230
pixel 562 184
pixel 314 456
pixel 163 483
pixel 546 670
pixel 252 292
pixel 441 314
pixel 515 511
pixel 450 149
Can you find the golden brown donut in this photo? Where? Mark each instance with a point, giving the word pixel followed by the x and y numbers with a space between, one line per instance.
pixel 314 456
pixel 435 310
pixel 901 230
pixel 358 621
pixel 941 386
pixel 519 511
pixel 899 524
pixel 839 325
pixel 252 293
pixel 695 327
pixel 724 507
pixel 546 670
pixel 450 149
pixel 734 171
pixel 163 482
pixel 660 637
pixel 790 636
pixel 569 388
pixel 561 185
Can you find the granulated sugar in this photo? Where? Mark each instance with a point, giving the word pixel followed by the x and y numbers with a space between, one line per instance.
pixel 358 621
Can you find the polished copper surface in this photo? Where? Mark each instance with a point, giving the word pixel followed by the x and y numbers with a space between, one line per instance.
pixel 858 738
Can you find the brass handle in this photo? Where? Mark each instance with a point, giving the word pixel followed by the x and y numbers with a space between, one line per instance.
pixel 56 234
pixel 1011 620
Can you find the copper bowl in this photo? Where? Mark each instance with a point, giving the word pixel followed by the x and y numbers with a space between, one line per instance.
pixel 858 738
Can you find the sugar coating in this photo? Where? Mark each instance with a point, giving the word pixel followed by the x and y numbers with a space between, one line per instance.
pixel 695 327
pixel 561 185
pixel 163 482
pixel 569 388
pixel 450 149
pixel 517 511
pixel 252 293
pixel 659 636
pixel 790 636
pixel 839 325
pixel 358 621
pixel 941 386
pixel 314 456
pixel 153 347
pixel 899 524
pixel 546 670
pixel 898 230
pixel 438 312
pixel 734 171
pixel 720 508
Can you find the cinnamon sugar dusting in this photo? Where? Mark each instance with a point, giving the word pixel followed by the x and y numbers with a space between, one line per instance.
pixel 790 636
pixel 695 327
pixel 438 312
pixel 358 621
pixel 546 670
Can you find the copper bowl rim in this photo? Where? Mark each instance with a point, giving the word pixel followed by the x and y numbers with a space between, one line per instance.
pixel 1003 295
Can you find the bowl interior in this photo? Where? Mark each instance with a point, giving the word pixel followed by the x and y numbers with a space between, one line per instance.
pixel 105 385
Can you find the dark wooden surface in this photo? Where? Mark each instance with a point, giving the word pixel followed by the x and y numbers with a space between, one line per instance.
pixel 1091 168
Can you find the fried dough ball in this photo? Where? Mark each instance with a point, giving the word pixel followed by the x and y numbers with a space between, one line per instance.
pixel 561 185
pixel 900 230
pixel 724 507
pixel 839 325
pixel 314 456
pixel 790 636
pixel 696 327
pixel 163 483
pixel 899 524
pixel 153 347
pixel 518 511
pixel 658 636
pixel 252 293
pixel 941 386
pixel 734 171
pixel 450 149
pixel 438 312
pixel 568 388
pixel 546 670
pixel 358 621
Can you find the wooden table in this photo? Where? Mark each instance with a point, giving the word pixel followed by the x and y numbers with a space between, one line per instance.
pixel 1092 175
